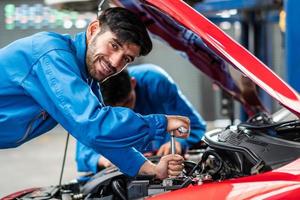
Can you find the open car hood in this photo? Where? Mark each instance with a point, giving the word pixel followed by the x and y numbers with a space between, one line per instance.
pixel 215 53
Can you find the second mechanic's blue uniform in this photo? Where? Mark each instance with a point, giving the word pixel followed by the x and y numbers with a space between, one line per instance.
pixel 156 92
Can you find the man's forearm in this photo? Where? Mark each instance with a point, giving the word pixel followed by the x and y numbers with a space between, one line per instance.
pixel 148 168
pixel 160 170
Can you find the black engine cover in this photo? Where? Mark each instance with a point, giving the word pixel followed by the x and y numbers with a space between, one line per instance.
pixel 257 146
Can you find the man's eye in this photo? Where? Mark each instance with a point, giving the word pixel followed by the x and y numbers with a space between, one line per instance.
pixel 114 46
pixel 127 60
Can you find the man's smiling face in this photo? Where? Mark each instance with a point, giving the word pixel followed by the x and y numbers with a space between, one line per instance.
pixel 106 55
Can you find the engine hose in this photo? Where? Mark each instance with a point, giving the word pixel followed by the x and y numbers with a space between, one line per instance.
pixel 275 125
pixel 188 165
pixel 204 158
pixel 186 182
pixel 118 190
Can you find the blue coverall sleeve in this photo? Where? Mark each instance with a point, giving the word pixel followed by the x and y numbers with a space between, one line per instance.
pixel 174 102
pixel 86 159
pixel 55 83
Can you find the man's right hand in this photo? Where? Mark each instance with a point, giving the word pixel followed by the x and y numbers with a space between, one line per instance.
pixel 168 166
pixel 175 123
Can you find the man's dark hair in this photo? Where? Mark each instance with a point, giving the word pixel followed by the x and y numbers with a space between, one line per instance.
pixel 116 89
pixel 127 27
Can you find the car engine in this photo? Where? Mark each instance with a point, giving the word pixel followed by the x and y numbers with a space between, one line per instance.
pixel 252 147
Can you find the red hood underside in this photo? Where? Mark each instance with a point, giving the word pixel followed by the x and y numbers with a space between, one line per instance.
pixel 213 52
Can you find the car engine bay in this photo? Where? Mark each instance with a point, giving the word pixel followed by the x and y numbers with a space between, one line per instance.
pixel 253 147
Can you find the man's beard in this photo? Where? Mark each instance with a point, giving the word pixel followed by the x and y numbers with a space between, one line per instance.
pixel 92 59
pixel 89 60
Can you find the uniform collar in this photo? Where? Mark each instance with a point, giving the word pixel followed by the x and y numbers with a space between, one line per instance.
pixel 81 47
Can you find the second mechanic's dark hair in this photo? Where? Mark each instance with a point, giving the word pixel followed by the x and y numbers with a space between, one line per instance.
pixel 116 89
pixel 127 27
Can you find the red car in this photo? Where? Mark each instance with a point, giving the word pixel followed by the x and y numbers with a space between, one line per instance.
pixel 257 159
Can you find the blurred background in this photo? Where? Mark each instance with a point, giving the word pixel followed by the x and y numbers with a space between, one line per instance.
pixel 263 27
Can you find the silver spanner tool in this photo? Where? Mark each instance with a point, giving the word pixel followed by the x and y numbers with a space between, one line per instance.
pixel 173 150
pixel 182 130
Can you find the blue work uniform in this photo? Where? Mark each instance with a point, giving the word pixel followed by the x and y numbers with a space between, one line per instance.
pixel 44 81
pixel 156 92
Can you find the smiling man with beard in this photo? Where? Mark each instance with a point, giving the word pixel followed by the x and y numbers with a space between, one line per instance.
pixel 49 78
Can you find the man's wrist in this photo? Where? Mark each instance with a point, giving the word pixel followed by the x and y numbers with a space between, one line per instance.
pixel 148 168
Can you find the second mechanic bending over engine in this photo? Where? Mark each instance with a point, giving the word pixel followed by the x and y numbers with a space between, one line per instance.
pixel 147 89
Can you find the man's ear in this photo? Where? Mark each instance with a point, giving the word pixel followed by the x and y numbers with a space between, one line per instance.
pixel 92 29
pixel 133 82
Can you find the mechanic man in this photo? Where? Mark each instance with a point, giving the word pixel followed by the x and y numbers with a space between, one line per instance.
pixel 146 89
pixel 50 78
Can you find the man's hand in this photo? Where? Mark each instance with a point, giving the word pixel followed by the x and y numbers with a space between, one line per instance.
pixel 165 149
pixel 168 166
pixel 103 162
pixel 179 125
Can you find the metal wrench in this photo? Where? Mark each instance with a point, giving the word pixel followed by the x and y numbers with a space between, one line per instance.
pixel 182 130
pixel 173 149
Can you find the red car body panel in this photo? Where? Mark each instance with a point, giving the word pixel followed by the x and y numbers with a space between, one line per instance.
pixel 282 183
pixel 19 194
